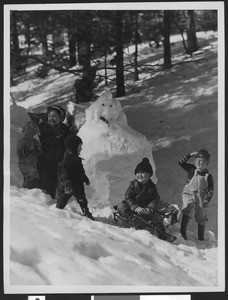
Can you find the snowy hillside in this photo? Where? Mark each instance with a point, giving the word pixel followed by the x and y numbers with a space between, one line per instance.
pixel 174 112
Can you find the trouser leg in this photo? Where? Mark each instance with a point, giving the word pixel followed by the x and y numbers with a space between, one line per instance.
pixel 201 229
pixel 184 224
pixel 82 201
pixel 63 200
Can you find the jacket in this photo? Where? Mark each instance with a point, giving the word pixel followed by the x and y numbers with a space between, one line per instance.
pixel 52 142
pixel 142 195
pixel 71 173
pixel 202 181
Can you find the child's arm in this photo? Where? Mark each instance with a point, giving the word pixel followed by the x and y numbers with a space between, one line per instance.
pixel 155 199
pixel 64 178
pixel 183 161
pixel 130 196
pixel 210 191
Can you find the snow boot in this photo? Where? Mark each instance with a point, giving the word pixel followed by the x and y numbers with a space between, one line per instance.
pixel 163 235
pixel 87 213
pixel 184 224
pixel 201 229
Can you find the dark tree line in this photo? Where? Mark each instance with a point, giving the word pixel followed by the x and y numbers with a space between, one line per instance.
pixel 75 41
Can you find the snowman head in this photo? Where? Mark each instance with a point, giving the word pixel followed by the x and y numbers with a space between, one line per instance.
pixel 105 109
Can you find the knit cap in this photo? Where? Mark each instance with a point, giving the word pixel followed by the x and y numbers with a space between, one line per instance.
pixel 72 142
pixel 60 111
pixel 144 166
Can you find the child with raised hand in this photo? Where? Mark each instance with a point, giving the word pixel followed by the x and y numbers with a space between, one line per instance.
pixel 72 176
pixel 198 191
pixel 142 199
pixel 28 150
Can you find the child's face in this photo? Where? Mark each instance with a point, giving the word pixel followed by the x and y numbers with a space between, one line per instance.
pixel 200 163
pixel 79 149
pixel 142 177
pixel 53 118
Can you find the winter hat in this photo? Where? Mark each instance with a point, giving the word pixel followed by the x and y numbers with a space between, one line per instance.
pixel 30 129
pixel 61 112
pixel 144 166
pixel 72 142
pixel 204 154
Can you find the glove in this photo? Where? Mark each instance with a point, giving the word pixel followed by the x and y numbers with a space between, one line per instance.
pixel 68 190
pixel 86 179
pixel 139 210
pixel 147 211
pixel 205 204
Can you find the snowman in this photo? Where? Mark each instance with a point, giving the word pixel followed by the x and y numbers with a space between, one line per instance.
pixel 111 150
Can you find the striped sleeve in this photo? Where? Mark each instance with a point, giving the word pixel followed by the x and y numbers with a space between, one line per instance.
pixel 183 161
pixel 210 191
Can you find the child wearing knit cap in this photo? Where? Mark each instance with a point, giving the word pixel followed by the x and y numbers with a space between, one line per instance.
pixel 142 199
pixel 71 175
pixel 28 150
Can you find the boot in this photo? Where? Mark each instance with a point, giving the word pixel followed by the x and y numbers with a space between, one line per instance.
pixel 184 224
pixel 201 229
pixel 163 235
pixel 87 213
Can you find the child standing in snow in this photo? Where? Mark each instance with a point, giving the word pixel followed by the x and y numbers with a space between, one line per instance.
pixel 142 199
pixel 52 136
pixel 72 176
pixel 197 192
pixel 28 149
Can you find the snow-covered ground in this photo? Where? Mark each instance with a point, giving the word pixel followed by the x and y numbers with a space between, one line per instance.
pixel 51 250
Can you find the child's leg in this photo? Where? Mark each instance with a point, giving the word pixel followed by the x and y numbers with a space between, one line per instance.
pixel 62 200
pixel 201 229
pixel 188 213
pixel 201 219
pixel 82 201
pixel 184 224
pixel 124 210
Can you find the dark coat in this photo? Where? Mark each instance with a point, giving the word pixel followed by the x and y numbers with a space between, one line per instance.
pixel 52 142
pixel 71 173
pixel 142 195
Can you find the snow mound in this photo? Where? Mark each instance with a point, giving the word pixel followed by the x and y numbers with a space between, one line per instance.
pixel 63 247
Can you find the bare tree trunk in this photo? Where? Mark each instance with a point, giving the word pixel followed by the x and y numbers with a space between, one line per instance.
pixel 14 32
pixel 136 48
pixel 191 33
pixel 120 88
pixel 72 48
pixel 167 47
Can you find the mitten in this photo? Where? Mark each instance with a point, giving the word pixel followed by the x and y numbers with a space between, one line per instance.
pixel 86 180
pixel 205 204
pixel 68 190
pixel 139 210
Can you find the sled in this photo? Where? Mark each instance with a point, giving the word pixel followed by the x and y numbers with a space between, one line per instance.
pixel 151 226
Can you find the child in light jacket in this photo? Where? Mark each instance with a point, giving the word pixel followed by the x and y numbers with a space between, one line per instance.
pixel 198 191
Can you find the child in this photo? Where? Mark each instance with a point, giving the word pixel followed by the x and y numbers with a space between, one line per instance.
pixel 28 149
pixel 197 193
pixel 72 176
pixel 142 199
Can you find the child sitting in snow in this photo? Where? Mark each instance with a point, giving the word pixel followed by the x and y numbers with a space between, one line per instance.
pixel 142 199
pixel 28 149
pixel 197 192
pixel 72 176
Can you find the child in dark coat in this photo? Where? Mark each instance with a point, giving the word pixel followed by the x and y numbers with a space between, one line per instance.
pixel 142 199
pixel 28 150
pixel 72 176
pixel 52 136
pixel 198 191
